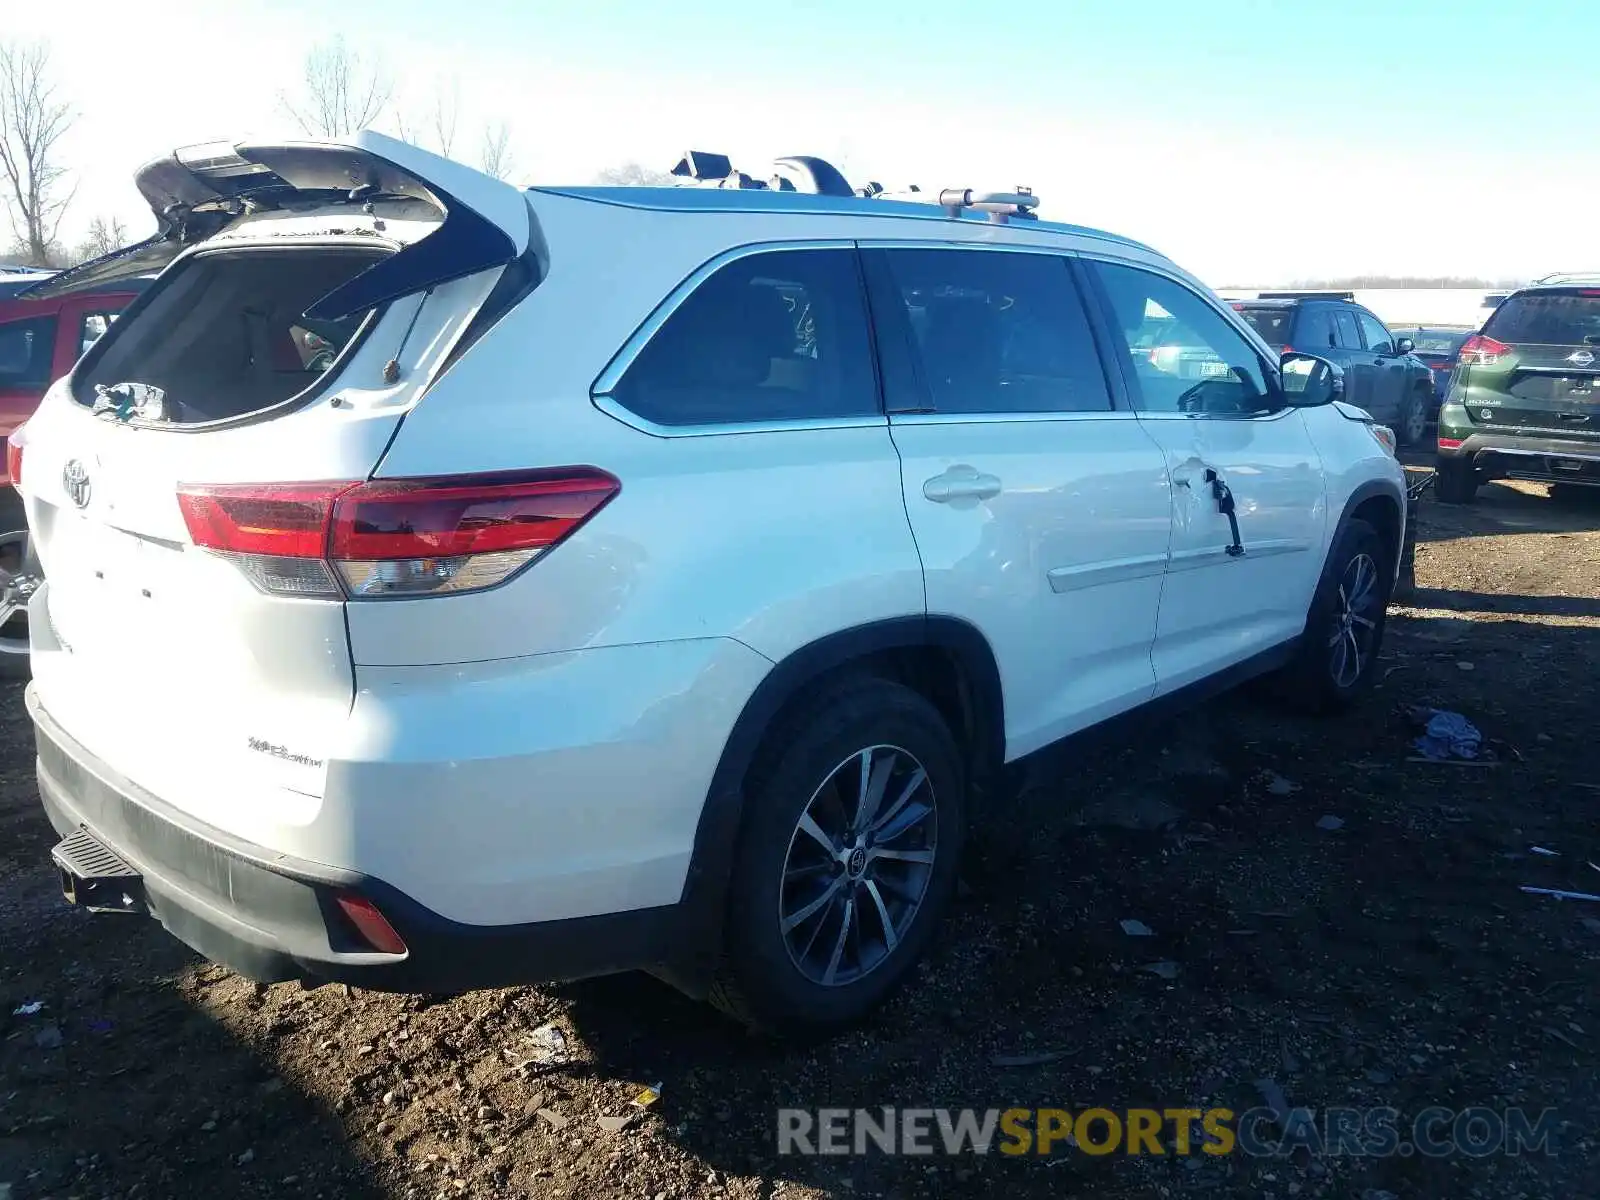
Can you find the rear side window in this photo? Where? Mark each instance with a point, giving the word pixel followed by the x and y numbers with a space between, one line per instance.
pixel 1349 333
pixel 993 331
pixel 1315 329
pixel 778 336
pixel 92 327
pixel 26 349
pixel 1549 318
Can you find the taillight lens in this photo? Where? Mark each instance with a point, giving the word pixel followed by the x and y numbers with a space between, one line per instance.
pixel 392 537
pixel 14 445
pixel 1450 443
pixel 1482 351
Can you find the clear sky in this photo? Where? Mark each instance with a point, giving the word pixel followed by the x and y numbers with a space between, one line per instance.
pixel 1253 140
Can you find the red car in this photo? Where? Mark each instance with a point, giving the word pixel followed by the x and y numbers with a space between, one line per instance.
pixel 39 342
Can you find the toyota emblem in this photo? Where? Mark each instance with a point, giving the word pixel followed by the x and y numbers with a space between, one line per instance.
pixel 75 479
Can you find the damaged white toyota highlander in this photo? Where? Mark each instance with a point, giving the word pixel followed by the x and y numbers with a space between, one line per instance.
pixel 449 586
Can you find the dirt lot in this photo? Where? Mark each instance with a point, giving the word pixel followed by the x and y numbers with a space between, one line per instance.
pixel 1392 961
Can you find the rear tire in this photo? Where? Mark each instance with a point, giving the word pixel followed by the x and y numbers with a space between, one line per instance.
pixel 818 937
pixel 1455 481
pixel 1335 660
pixel 1413 425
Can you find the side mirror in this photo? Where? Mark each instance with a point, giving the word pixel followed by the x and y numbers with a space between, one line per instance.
pixel 1309 381
pixel 1404 346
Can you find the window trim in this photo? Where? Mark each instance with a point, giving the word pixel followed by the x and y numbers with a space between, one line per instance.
pixel 1254 340
pixel 1110 372
pixel 601 391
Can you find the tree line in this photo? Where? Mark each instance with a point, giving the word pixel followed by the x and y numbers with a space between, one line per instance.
pixel 340 91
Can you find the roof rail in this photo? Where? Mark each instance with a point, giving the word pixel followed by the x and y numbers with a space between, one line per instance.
pixel 807 173
pixel 1570 277
pixel 1306 296
pixel 797 173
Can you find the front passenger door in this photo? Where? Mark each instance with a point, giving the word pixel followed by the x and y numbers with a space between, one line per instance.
pixel 1225 431
pixel 1388 369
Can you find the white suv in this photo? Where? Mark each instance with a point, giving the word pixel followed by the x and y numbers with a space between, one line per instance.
pixel 448 585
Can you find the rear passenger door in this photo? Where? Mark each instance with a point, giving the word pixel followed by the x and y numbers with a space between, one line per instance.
pixel 1040 507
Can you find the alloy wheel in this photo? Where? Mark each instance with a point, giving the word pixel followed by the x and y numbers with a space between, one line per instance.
pixel 858 865
pixel 1355 621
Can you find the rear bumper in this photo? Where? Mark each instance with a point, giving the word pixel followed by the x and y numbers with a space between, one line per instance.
pixel 272 917
pixel 1497 456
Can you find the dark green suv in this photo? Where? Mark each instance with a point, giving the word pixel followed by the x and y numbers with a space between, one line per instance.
pixel 1524 399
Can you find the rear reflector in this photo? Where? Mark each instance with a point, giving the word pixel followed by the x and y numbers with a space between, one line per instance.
pixel 1449 443
pixel 371 924
pixel 392 537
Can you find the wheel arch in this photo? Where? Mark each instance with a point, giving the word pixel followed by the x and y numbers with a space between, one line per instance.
pixel 1383 506
pixel 966 688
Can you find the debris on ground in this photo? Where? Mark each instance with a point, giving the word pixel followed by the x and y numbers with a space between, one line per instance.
pixel 28 1009
pixel 1446 735
pixel 1559 894
pixel 1137 928
pixel 1163 970
pixel 552 1118
pixel 48 1038
pixel 1037 1059
pixel 1330 823
pixel 616 1124
pixel 549 1044
pixel 1277 785
pixel 1540 850
pixel 648 1097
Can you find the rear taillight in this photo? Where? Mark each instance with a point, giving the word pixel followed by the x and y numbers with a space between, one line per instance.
pixel 1450 443
pixel 1285 350
pixel 1482 351
pixel 392 537
pixel 14 445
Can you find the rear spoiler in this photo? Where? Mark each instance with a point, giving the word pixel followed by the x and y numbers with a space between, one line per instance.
pixel 197 192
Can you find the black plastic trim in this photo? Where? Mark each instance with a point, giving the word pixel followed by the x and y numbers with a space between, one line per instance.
pixel 1371 489
pixel 705 890
pixel 272 917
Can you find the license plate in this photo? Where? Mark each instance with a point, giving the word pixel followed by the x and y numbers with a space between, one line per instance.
pixel 1215 368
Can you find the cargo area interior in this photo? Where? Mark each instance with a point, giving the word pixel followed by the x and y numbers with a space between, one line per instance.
pixel 226 336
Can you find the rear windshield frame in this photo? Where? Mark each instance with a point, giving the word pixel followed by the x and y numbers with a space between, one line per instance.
pixel 206 250
pixel 1517 300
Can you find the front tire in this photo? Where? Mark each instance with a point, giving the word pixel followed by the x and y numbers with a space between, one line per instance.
pixel 1336 658
pixel 854 824
pixel 1455 481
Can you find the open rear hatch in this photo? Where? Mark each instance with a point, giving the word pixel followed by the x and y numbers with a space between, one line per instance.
pixel 319 289
pixel 1536 365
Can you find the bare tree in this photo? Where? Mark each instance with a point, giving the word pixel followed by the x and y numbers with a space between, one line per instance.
pixel 633 175
pixel 439 125
pixel 344 92
pixel 33 120
pixel 105 235
pixel 495 158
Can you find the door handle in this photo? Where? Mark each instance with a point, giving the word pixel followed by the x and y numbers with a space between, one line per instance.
pixel 961 482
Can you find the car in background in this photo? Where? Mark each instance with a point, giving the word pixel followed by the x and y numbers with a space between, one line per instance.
pixel 17 279
pixel 1438 347
pixel 1524 401
pixel 1381 374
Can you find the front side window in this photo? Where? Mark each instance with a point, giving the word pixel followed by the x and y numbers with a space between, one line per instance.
pixel 994 331
pixel 1181 354
pixel 775 336
pixel 26 350
pixel 1377 337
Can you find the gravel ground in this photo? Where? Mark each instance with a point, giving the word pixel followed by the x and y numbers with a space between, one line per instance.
pixel 1391 961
